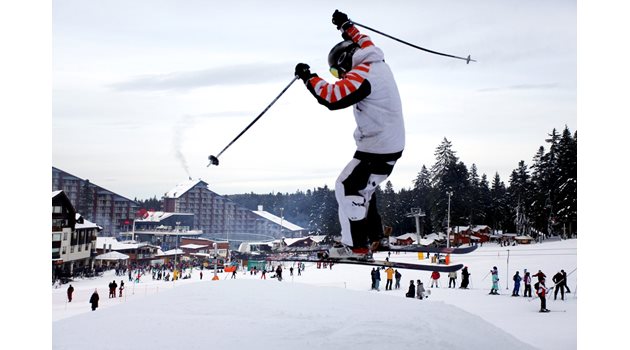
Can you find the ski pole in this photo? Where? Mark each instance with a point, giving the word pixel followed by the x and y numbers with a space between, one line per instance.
pixel 467 59
pixel 215 160
pixel 484 277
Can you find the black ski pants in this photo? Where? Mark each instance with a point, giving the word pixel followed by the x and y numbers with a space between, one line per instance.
pixel 559 288
pixel 528 291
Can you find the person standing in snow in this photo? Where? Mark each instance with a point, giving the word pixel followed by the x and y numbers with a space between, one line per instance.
pixel 541 292
pixel 122 286
pixel 541 276
pixel 69 292
pixel 373 276
pixel 279 273
pixel 377 279
pixel 517 284
pixel 527 279
pixel 435 276
pixel 366 83
pixel 452 277
pixel 495 281
pixel 390 278
pixel 94 300
pixel 465 278
pixel 397 276
pixel 263 274
pixel 411 293
pixel 558 280
pixel 420 290
pixel 564 281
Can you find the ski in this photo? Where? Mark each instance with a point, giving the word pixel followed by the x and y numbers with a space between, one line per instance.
pixel 371 262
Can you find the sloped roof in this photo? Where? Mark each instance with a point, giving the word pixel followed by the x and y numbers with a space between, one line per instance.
pixel 193 246
pixel 277 220
pixel 86 223
pixel 112 256
pixel 182 188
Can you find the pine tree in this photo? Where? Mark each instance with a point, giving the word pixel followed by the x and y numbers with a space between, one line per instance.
pixel 445 159
pixel 520 192
pixel 567 181
pixel 498 211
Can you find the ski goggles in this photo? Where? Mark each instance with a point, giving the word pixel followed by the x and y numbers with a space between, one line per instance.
pixel 335 72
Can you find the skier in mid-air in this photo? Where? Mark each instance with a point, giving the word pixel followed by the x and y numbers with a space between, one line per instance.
pixel 366 83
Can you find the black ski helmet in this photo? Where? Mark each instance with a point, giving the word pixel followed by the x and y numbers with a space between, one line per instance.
pixel 340 57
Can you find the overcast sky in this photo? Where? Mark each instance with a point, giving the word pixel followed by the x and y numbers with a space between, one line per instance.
pixel 144 91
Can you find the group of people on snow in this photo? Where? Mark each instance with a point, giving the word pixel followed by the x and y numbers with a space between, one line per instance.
pixel 540 288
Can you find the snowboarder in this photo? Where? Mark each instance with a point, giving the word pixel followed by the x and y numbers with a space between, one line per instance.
pixel 411 293
pixel 465 278
pixel 527 279
pixel 517 284
pixel 397 276
pixel 420 290
pixel 558 280
pixel 94 300
pixel 122 286
pixel 366 82
pixel 452 277
pixel 435 276
pixel 70 291
pixel 390 278
pixel 541 292
pixel 495 281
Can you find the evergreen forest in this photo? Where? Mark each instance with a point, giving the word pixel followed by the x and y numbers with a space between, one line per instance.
pixel 538 198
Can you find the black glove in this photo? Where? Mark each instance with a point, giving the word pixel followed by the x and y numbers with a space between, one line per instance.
pixel 341 20
pixel 303 71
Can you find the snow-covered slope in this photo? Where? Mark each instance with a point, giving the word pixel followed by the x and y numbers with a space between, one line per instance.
pixel 326 309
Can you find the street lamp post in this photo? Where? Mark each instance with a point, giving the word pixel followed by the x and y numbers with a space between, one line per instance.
pixel 281 221
pixel 448 220
pixel 176 243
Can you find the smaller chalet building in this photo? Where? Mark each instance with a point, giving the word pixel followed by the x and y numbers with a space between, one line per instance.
pixel 73 238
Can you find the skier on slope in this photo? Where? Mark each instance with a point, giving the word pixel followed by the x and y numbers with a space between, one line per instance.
pixel 541 292
pixel 366 83
pixel 517 284
pixel 495 281
pixel 527 279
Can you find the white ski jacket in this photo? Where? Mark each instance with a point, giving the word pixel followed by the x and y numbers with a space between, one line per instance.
pixel 371 89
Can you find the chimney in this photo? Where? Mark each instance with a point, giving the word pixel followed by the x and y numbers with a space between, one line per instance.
pixel 260 207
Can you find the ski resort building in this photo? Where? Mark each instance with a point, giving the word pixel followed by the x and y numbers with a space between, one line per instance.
pixel 220 218
pixel 162 229
pixel 113 212
pixel 73 238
